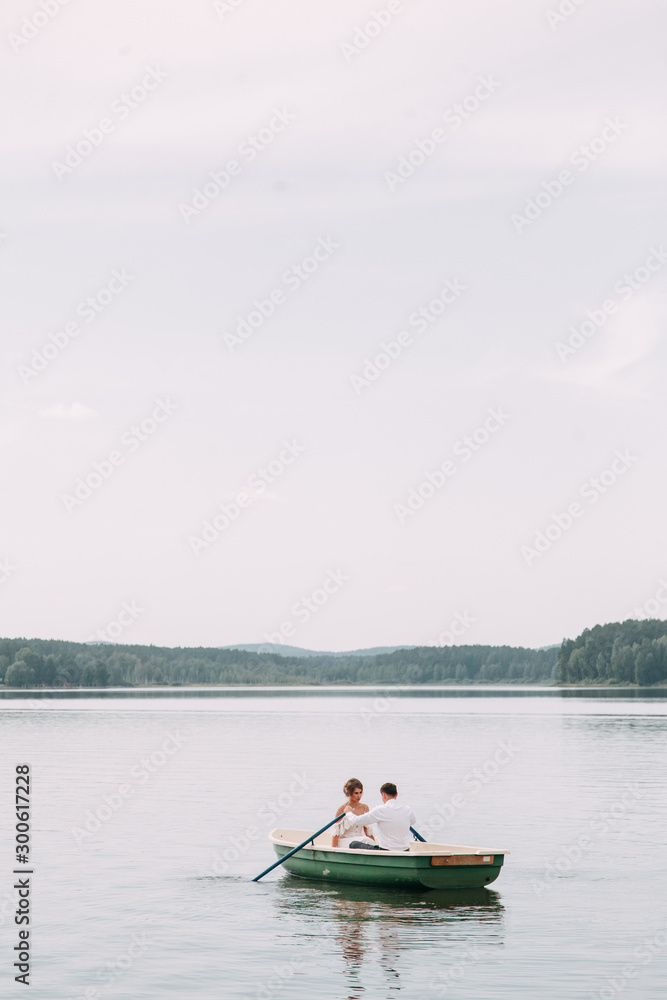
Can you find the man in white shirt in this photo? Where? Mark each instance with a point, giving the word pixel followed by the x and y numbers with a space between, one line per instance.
pixel 393 821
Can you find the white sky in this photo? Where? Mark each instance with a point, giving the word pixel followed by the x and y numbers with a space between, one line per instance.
pixel 333 510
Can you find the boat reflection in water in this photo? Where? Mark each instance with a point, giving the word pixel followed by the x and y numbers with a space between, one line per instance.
pixel 402 937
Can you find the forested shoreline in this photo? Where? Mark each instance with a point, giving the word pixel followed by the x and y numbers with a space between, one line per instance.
pixel 630 652
pixel 55 663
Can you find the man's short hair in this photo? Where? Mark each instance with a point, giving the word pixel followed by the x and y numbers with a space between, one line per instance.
pixel 390 789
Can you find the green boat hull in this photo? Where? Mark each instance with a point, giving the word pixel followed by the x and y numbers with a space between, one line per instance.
pixel 400 871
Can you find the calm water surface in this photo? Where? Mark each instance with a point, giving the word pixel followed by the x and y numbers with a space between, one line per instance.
pixel 146 892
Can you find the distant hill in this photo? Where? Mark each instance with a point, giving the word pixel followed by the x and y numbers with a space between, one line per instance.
pixel 280 650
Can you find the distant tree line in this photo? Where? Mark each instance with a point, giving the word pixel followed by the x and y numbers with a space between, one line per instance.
pixel 630 652
pixel 55 663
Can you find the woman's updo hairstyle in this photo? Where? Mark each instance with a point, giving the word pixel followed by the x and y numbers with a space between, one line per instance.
pixel 351 785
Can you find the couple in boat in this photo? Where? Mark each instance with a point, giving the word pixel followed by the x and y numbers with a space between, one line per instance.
pixel 393 820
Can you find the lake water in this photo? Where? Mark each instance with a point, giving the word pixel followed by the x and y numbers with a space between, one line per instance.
pixel 146 893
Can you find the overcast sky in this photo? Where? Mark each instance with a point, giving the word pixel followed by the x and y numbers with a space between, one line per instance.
pixel 499 167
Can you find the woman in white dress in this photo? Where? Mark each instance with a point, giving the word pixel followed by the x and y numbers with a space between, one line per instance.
pixel 354 790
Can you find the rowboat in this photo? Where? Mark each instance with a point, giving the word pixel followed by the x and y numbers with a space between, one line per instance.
pixel 424 865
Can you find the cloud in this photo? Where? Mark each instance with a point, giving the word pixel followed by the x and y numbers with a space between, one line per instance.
pixel 75 411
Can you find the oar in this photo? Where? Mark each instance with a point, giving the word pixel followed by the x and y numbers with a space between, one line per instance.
pixel 418 836
pixel 308 841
